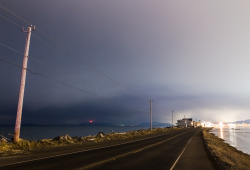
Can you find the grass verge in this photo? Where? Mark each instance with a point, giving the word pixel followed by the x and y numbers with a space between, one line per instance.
pixel 228 156
pixel 26 147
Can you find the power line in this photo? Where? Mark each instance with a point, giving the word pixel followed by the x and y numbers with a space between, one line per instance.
pixel 33 58
pixel 50 78
pixel 14 14
pixel 12 49
pixel 19 26
pixel 5 18
pixel 69 52
pixel 18 52
pixel 87 63
pixel 42 41
pixel 10 63
pixel 61 82
pixel 65 50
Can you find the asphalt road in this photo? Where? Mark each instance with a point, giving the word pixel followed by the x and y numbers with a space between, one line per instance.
pixel 156 153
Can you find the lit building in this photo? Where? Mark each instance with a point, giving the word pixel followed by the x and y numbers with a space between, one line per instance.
pixel 185 122
pixel 197 124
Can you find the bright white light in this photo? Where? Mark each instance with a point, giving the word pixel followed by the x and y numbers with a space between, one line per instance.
pixel 232 125
pixel 206 124
pixel 219 125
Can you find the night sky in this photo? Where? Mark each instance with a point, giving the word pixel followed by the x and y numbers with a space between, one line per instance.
pixel 103 60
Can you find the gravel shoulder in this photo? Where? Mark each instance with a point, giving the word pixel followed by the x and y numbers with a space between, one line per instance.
pixel 195 155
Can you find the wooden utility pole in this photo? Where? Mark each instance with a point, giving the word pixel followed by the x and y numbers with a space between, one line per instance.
pixel 150 101
pixel 172 119
pixel 22 84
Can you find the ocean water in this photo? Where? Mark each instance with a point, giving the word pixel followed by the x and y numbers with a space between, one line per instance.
pixel 238 137
pixel 49 132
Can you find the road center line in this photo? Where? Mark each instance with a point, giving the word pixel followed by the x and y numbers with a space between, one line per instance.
pixel 126 154
pixel 54 156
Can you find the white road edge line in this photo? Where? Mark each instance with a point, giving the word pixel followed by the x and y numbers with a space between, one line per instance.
pixel 180 155
pixel 126 154
pixel 54 156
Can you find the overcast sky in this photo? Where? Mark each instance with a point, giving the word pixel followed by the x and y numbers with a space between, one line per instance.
pixel 106 59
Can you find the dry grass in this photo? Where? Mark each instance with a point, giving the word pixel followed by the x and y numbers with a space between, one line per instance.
pixel 25 146
pixel 228 155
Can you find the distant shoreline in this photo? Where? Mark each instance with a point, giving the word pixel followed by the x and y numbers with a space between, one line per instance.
pixel 98 124
pixel 27 146
pixel 226 133
pixel 31 132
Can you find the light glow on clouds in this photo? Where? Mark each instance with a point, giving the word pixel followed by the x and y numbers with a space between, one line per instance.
pixel 188 56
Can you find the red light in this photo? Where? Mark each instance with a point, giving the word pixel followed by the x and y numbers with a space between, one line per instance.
pixel 91 121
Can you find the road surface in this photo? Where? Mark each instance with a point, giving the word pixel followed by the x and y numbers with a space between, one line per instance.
pixel 162 152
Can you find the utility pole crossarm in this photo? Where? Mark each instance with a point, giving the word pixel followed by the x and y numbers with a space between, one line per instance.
pixel 22 84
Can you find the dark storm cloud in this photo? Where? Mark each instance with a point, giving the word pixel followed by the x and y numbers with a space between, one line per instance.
pixel 117 110
pixel 179 53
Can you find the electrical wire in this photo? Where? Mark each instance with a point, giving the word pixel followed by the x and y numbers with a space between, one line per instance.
pixel 10 63
pixel 87 63
pixel 61 82
pixel 50 78
pixel 33 58
pixel 65 50
pixel 12 22
pixel 69 52
pixel 12 49
pixel 14 14
pixel 18 52
pixel 42 41
pixel 49 65
pixel 19 26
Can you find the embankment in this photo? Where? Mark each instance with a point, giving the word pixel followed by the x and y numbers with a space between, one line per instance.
pixel 27 147
pixel 225 155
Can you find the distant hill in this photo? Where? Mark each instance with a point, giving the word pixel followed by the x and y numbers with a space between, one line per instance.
pixel 154 124
pixel 242 121
pixel 142 124
pixel 97 124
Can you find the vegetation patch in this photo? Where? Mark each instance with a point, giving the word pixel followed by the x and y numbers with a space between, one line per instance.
pixel 230 157
pixel 25 146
